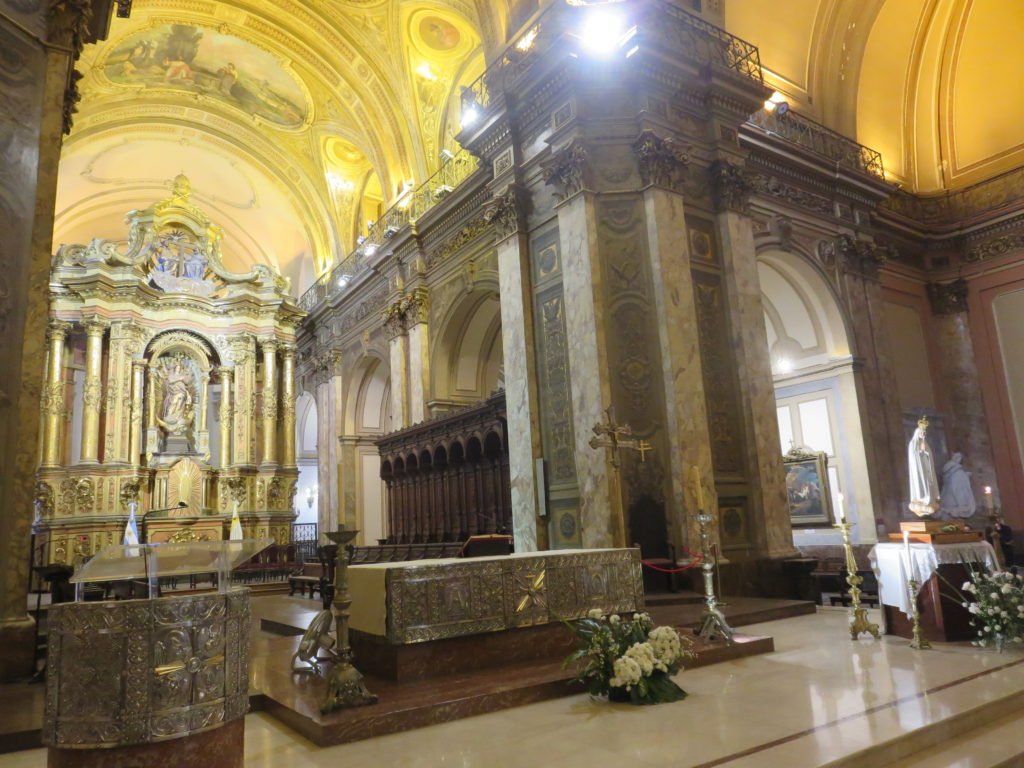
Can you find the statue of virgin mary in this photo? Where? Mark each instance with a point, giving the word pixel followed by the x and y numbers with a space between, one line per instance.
pixel 924 486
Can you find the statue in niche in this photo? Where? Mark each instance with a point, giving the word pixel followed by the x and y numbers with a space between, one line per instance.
pixel 924 486
pixel 957 495
pixel 176 406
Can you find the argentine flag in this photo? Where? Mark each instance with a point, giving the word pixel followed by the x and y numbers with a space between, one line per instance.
pixel 236 526
pixel 131 530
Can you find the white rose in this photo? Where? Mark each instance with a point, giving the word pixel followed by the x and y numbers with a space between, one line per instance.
pixel 627 673
pixel 973 608
pixel 1006 589
pixel 595 613
pixel 614 619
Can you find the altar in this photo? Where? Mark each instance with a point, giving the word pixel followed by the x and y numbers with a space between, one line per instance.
pixel 426 617
pixel 941 570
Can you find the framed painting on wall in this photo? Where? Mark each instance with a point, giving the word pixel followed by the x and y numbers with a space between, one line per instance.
pixel 810 502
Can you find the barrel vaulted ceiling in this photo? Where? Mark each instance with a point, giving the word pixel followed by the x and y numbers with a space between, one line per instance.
pixel 932 84
pixel 290 117
pixel 298 120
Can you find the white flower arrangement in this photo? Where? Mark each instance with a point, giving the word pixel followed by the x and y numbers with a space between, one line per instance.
pixel 629 659
pixel 996 604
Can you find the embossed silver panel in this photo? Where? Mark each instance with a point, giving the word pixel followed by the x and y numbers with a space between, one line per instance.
pixel 434 602
pixel 137 671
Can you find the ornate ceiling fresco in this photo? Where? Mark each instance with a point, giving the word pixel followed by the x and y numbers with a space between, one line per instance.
pixel 929 83
pixel 294 120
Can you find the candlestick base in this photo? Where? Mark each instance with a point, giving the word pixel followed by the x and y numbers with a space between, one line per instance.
pixel 859 624
pixel 920 642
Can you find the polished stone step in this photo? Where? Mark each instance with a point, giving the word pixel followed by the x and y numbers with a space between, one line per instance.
pixel 996 744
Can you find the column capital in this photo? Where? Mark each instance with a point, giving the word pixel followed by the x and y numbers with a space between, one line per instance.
pixel 567 170
pixel 226 371
pixel 269 346
pixel 416 306
pixel 94 325
pixel 57 329
pixel 505 211
pixel 731 186
pixel 138 362
pixel 288 349
pixel 859 257
pixel 393 316
pixel 948 298
pixel 662 162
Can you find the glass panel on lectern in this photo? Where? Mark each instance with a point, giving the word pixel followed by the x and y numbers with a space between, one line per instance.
pixel 117 562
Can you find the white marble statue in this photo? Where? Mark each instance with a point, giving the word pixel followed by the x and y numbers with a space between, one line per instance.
pixel 176 411
pixel 924 486
pixel 957 495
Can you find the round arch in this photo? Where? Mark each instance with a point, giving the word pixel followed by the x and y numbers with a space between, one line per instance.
pixel 467 351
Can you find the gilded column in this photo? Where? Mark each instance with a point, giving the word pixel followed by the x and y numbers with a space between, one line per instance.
pixel 398 342
pixel 225 372
pixel 269 454
pixel 152 434
pixel 203 432
pixel 417 310
pixel 93 395
pixel 138 388
pixel 243 354
pixel 288 405
pixel 53 394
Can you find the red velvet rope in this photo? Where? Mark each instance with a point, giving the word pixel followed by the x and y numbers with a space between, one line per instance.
pixel 697 560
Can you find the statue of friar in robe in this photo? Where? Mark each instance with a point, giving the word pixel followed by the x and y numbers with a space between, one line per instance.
pixel 957 494
pixel 924 486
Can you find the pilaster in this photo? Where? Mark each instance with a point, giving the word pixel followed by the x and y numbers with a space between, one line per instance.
pixel 138 392
pixel 520 363
pixel 269 397
pixel 417 310
pixel 226 374
pixel 398 355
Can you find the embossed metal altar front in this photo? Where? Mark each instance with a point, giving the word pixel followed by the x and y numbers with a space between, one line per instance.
pixel 138 671
pixel 434 602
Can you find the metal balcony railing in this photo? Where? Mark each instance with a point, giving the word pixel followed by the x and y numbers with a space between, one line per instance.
pixel 406 209
pixel 821 140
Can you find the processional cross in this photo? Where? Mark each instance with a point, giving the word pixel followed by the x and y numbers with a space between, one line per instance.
pixel 614 436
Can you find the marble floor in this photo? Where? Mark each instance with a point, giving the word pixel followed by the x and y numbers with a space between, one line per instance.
pixel 818 700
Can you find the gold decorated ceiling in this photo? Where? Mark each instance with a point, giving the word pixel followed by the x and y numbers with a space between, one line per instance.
pixel 292 118
pixel 932 84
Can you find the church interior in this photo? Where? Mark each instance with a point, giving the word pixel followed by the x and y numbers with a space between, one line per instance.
pixel 356 352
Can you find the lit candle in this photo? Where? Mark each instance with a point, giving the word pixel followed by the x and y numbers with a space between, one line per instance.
pixel 906 545
pixel 698 488
pixel 839 508
pixel 988 498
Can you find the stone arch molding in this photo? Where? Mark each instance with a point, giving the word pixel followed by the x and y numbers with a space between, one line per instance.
pixel 188 342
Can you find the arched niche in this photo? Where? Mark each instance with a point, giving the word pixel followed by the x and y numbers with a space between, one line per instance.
pixel 467 351
pixel 368 405
pixel 307 500
pixel 817 399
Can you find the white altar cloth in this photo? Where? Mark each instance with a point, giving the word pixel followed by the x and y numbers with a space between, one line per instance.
pixel 889 562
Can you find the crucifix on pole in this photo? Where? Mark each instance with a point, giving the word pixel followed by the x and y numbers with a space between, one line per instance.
pixel 615 436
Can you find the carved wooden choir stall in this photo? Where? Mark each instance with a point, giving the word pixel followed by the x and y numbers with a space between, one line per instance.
pixel 448 478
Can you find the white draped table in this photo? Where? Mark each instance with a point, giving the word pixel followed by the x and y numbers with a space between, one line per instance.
pixel 889 562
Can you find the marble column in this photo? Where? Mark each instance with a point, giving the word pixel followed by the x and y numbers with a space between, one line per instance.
pixel 269 393
pixel 92 401
pixel 601 514
pixel 329 394
pixel 521 403
pixel 689 441
pixel 398 351
pixel 419 353
pixel 138 389
pixel 36 39
pixel 53 395
pixel 288 406
pixel 225 373
pixel 768 488
pixel 967 429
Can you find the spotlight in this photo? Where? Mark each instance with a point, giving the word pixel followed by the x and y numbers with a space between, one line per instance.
pixel 785 365
pixel 390 232
pixel 446 155
pixel 341 282
pixel 370 248
pixel 469 116
pixel 360 239
pixel 602 32
pixel 777 103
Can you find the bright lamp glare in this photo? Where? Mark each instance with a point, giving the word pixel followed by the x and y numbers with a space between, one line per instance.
pixel 469 117
pixel 602 31
pixel 785 365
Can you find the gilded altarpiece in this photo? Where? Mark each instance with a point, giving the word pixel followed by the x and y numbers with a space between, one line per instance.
pixel 170 382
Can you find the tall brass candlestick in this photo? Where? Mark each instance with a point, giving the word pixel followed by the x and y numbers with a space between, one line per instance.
pixel 345 686
pixel 859 623
pixel 920 642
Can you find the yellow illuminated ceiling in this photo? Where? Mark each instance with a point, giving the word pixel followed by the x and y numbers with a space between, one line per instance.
pixel 283 113
pixel 932 84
